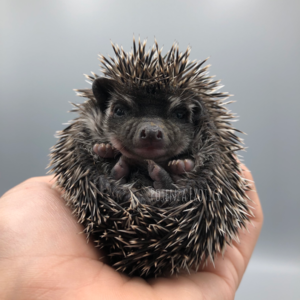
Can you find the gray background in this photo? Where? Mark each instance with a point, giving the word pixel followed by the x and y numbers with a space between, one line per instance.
pixel 253 46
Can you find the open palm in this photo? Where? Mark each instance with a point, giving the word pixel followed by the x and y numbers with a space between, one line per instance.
pixel 43 256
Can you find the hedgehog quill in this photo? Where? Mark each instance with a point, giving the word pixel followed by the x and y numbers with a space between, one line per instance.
pixel 149 166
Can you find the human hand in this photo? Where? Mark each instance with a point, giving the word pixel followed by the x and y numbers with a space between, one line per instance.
pixel 43 256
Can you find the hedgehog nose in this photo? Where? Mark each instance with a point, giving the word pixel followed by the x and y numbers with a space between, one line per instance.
pixel 151 133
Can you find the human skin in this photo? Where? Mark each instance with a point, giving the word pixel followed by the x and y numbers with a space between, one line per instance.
pixel 44 256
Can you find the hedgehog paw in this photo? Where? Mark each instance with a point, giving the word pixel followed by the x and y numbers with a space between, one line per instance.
pixel 161 178
pixel 180 166
pixel 120 170
pixel 105 150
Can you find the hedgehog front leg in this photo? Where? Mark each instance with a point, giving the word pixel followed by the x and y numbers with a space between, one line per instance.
pixel 121 168
pixel 161 178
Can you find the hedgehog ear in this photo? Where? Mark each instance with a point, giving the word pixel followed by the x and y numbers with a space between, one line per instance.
pixel 102 88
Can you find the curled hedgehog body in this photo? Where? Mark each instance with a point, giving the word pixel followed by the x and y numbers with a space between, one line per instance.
pixel 146 229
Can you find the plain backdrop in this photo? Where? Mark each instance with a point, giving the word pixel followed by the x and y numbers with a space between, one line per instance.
pixel 254 48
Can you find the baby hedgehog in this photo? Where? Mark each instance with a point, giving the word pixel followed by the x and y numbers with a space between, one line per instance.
pixel 148 166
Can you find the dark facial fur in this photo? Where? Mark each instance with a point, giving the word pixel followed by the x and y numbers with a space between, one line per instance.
pixel 146 231
pixel 143 125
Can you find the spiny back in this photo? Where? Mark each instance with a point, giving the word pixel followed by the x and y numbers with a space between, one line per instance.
pixel 138 69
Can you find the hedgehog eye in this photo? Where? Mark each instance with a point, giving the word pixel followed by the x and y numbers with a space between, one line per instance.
pixel 118 111
pixel 180 114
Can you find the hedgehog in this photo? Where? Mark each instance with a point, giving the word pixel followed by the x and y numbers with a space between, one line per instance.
pixel 149 166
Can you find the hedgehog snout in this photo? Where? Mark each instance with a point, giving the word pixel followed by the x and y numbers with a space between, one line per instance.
pixel 151 132
pixel 149 135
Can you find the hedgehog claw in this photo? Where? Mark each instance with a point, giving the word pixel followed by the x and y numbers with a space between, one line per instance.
pixel 180 166
pixel 105 150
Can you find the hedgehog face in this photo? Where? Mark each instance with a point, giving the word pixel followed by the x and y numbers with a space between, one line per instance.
pixel 142 125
